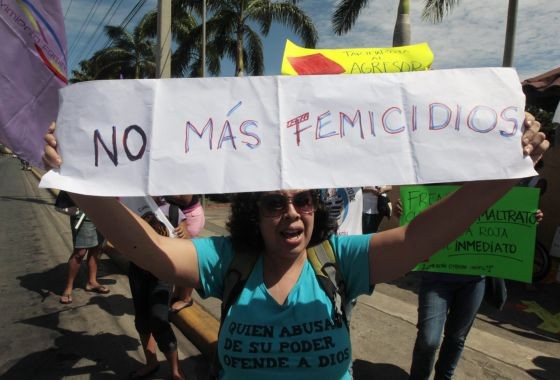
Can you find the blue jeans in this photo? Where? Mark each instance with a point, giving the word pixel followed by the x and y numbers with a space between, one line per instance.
pixel 444 301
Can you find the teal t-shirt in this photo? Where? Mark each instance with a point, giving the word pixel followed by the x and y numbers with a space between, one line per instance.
pixel 261 339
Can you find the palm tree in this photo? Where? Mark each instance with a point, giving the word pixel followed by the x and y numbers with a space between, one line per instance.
pixel 96 68
pixel 231 33
pixel 84 73
pixel 347 11
pixel 129 52
pixel 186 33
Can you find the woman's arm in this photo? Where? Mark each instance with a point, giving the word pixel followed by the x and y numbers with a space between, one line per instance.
pixel 394 252
pixel 173 260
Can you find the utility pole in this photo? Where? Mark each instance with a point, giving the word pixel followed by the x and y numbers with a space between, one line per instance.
pixel 203 58
pixel 510 34
pixel 163 53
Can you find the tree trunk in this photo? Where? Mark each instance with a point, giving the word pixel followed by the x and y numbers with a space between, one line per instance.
pixel 239 64
pixel 401 34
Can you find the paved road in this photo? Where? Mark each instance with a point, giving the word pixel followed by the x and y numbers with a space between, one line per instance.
pixel 95 338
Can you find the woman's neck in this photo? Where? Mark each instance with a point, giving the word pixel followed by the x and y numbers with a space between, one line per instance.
pixel 280 274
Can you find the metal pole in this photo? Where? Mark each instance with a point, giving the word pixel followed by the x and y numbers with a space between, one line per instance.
pixel 203 58
pixel 510 34
pixel 203 68
pixel 163 56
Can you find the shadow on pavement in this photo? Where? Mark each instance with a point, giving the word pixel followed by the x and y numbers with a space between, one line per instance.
pixel 549 365
pixel 53 280
pixel 99 356
pixel 363 370
pixel 43 201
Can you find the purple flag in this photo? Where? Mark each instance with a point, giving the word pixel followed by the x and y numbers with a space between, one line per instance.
pixel 33 68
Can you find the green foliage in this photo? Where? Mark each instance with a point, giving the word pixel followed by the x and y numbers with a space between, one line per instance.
pixel 545 118
pixel 234 30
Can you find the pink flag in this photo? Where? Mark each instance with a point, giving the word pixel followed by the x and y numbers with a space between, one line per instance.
pixel 32 69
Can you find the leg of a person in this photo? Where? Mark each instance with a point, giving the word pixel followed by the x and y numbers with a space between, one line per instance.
pixel 173 360
pixel 182 298
pixel 73 268
pixel 367 223
pixel 75 260
pixel 159 323
pixel 149 347
pixel 95 240
pixel 465 305
pixel 377 219
pixel 433 303
pixel 140 280
pixel 195 220
pixel 92 262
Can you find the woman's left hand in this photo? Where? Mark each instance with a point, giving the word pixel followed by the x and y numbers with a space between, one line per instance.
pixel 534 142
pixel 180 232
pixel 539 215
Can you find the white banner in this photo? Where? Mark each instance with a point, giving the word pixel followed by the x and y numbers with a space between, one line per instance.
pixel 215 135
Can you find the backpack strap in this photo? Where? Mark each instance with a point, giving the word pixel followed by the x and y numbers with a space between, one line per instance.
pixel 235 278
pixel 174 214
pixel 325 266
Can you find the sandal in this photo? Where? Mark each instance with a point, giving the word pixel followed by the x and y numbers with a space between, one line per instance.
pixel 135 375
pixel 183 306
pixel 66 299
pixel 98 289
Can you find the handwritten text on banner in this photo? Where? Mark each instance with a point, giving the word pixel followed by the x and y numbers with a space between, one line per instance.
pixel 135 137
pixel 303 61
pixel 500 243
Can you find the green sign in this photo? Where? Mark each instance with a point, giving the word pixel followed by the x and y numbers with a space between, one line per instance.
pixel 501 243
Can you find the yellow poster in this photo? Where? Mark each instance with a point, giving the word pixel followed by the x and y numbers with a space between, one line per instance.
pixel 302 61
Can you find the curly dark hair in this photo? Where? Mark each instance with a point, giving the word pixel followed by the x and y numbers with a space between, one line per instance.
pixel 243 223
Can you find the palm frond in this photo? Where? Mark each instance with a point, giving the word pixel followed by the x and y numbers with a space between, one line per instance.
pixel 345 15
pixel 436 10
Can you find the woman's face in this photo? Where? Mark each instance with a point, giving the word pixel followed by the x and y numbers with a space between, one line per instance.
pixel 286 221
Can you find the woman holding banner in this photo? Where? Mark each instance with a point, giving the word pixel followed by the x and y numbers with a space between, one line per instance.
pixel 282 324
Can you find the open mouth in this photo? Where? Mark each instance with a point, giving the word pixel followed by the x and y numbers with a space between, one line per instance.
pixel 292 234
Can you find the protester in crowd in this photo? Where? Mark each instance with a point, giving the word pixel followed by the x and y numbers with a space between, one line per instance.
pixel 25 164
pixel 194 223
pixel 448 304
pixel 371 216
pixel 86 240
pixel 150 295
pixel 345 206
pixel 282 308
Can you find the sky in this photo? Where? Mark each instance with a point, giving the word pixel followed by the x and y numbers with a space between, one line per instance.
pixel 473 35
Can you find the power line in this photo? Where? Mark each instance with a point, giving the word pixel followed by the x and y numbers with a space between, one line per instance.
pixel 89 46
pixel 128 18
pixel 67 9
pixel 84 25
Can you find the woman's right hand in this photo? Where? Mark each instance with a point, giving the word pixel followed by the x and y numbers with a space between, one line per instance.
pixel 51 158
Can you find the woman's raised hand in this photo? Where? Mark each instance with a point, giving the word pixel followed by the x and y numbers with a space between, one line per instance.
pixel 534 142
pixel 51 158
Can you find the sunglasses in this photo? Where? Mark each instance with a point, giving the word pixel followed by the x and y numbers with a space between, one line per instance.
pixel 275 205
